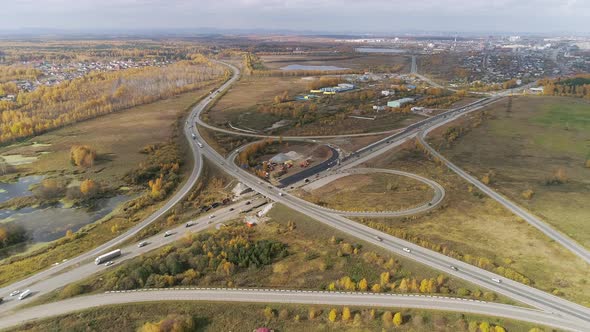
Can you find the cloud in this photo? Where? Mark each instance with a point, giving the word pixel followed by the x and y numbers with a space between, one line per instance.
pixel 366 15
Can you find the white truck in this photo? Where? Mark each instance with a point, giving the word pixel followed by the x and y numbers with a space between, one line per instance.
pixel 24 294
pixel 107 257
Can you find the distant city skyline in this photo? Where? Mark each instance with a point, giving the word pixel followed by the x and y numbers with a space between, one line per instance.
pixel 329 16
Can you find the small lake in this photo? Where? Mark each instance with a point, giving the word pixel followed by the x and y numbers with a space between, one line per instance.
pixel 45 224
pixel 19 188
pixel 51 223
pixel 311 67
pixel 379 50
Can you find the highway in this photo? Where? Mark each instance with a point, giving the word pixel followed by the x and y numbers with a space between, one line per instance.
pixel 291 296
pixel 177 197
pixel 88 268
pixel 512 289
pixel 559 309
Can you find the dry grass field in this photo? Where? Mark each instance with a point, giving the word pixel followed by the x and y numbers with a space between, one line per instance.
pixel 118 139
pixel 219 316
pixel 370 192
pixel 473 225
pixel 525 145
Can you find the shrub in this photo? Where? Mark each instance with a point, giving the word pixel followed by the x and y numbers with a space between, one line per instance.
pixel 82 155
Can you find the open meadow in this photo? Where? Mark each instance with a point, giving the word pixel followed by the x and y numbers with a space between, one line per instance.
pixel 474 228
pixel 370 192
pixel 534 150
pixel 220 316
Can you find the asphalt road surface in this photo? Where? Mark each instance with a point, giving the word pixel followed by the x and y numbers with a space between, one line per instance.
pixel 88 268
pixel 515 290
pixel 558 309
pixel 290 296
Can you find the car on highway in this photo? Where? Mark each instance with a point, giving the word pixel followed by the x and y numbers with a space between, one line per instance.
pixel 189 224
pixel 454 268
pixel 109 263
pixel 378 238
pixel 14 293
pixel 212 216
pixel 496 280
pixel 406 249
pixel 281 194
pixel 167 234
pixel 231 209
pixel 248 203
pixel 142 244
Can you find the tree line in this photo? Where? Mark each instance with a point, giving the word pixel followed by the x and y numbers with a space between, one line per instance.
pixel 577 86
pixel 99 93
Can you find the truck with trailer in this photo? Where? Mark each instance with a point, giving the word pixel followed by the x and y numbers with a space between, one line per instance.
pixel 24 294
pixel 108 256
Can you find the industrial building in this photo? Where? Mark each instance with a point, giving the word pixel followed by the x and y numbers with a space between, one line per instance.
pixel 399 102
pixel 336 89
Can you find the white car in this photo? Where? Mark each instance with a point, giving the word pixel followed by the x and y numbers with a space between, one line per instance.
pixel 378 238
pixel 167 234
pixel 14 293
pixel 142 244
pixel 211 216
pixel 109 263
pixel 496 280
pixel 454 268
pixel 406 249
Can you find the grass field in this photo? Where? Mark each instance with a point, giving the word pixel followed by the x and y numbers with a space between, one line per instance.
pixel 524 145
pixel 219 316
pixel 118 139
pixel 249 92
pixel 475 226
pixel 370 192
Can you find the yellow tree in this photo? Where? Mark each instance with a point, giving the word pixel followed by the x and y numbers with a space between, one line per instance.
pixel 333 315
pixel 87 187
pixel 345 314
pixel 363 285
pixel 376 288
pixel 398 319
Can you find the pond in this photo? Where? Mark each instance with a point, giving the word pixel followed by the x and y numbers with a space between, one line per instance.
pixel 310 67
pixel 19 188
pixel 45 224
pixel 51 223
pixel 379 50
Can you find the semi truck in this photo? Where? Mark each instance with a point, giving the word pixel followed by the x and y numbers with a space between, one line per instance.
pixel 24 294
pixel 108 256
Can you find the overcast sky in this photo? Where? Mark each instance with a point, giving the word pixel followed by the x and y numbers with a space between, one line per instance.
pixel 378 16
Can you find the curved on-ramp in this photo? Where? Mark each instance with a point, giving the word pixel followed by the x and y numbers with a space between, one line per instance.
pixel 437 198
pixel 290 296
